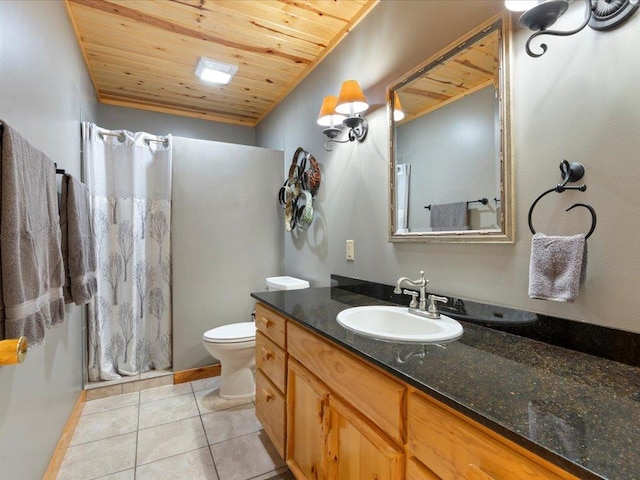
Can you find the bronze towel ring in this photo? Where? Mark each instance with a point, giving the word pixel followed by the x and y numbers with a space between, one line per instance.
pixel 571 173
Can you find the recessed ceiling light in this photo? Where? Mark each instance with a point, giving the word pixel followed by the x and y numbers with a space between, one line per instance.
pixel 215 72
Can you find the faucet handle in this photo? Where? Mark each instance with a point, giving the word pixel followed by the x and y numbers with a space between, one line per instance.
pixel 433 308
pixel 414 297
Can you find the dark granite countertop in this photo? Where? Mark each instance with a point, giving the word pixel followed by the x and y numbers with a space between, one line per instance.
pixel 579 411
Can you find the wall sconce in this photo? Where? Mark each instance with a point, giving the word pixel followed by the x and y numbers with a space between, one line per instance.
pixel 344 111
pixel 601 15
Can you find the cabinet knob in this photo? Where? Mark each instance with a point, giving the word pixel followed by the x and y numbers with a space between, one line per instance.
pixel 474 473
pixel 265 322
pixel 267 395
pixel 266 354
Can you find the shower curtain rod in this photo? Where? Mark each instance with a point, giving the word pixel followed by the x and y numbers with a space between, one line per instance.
pixel 121 137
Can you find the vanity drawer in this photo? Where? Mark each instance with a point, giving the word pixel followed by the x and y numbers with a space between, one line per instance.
pixel 272 360
pixel 272 324
pixel 456 448
pixel 271 411
pixel 372 393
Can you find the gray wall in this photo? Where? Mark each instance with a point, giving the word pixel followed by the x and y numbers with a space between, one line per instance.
pixel 115 118
pixel 578 102
pixel 43 87
pixel 226 238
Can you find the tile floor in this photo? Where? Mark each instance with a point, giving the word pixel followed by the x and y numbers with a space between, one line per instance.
pixel 183 431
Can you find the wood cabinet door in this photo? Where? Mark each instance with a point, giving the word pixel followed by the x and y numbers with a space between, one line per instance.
pixel 417 471
pixel 307 411
pixel 358 449
pixel 372 393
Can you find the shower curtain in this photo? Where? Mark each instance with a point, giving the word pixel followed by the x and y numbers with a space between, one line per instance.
pixel 129 319
pixel 403 174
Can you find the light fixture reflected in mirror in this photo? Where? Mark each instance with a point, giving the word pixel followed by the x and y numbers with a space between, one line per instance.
pixel 398 113
pixel 344 111
pixel 520 5
pixel 600 15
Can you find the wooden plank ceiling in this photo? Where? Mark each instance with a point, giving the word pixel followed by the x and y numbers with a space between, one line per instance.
pixel 143 53
pixel 472 69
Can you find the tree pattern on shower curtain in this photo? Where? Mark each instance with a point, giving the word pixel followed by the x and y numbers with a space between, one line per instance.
pixel 130 317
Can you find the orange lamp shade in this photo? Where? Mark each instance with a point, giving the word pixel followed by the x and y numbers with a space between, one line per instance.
pixel 398 113
pixel 351 100
pixel 328 116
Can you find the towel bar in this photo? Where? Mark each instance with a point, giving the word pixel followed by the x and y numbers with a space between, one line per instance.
pixel 483 201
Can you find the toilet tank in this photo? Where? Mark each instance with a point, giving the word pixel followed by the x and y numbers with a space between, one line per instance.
pixel 286 283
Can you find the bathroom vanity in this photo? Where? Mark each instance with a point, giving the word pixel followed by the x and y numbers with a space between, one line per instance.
pixel 490 405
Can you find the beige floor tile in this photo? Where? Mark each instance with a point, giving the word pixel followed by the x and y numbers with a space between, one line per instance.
pixel 166 391
pixel 170 439
pixel 210 401
pixel 106 424
pixel 245 457
pixel 124 475
pixel 193 465
pixel 205 384
pixel 100 458
pixel 230 423
pixel 167 410
pixel 110 403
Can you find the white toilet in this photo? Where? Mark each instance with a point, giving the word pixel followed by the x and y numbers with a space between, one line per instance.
pixel 234 345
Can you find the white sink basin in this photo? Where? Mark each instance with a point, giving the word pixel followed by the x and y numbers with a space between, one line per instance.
pixel 397 324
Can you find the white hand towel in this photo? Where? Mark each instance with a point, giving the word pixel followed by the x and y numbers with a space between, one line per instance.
pixel 558 266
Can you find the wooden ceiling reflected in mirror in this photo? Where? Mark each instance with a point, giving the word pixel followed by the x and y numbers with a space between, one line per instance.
pixel 450 149
pixel 473 69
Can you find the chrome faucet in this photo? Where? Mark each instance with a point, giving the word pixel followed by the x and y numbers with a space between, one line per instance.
pixel 420 307
pixel 421 283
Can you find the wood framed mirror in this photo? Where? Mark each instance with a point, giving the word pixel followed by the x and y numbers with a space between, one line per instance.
pixel 451 168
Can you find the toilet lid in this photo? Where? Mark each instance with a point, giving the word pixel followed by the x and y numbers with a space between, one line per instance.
pixel 235 332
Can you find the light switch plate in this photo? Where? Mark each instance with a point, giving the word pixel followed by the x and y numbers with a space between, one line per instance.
pixel 351 250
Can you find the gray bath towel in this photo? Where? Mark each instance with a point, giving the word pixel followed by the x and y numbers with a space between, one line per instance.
pixel 450 217
pixel 30 259
pixel 558 266
pixel 77 242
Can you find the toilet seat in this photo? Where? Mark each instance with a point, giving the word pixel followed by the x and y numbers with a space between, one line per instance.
pixel 233 333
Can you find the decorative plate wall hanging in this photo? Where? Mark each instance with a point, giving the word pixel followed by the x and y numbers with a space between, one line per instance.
pixel 298 190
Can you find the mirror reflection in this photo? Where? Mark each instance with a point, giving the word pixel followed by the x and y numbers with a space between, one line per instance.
pixel 450 169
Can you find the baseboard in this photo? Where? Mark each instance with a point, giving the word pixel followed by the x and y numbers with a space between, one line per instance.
pixel 65 438
pixel 199 373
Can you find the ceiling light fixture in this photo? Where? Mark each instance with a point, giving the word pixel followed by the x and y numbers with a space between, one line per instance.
pixel 601 15
pixel 344 111
pixel 215 72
